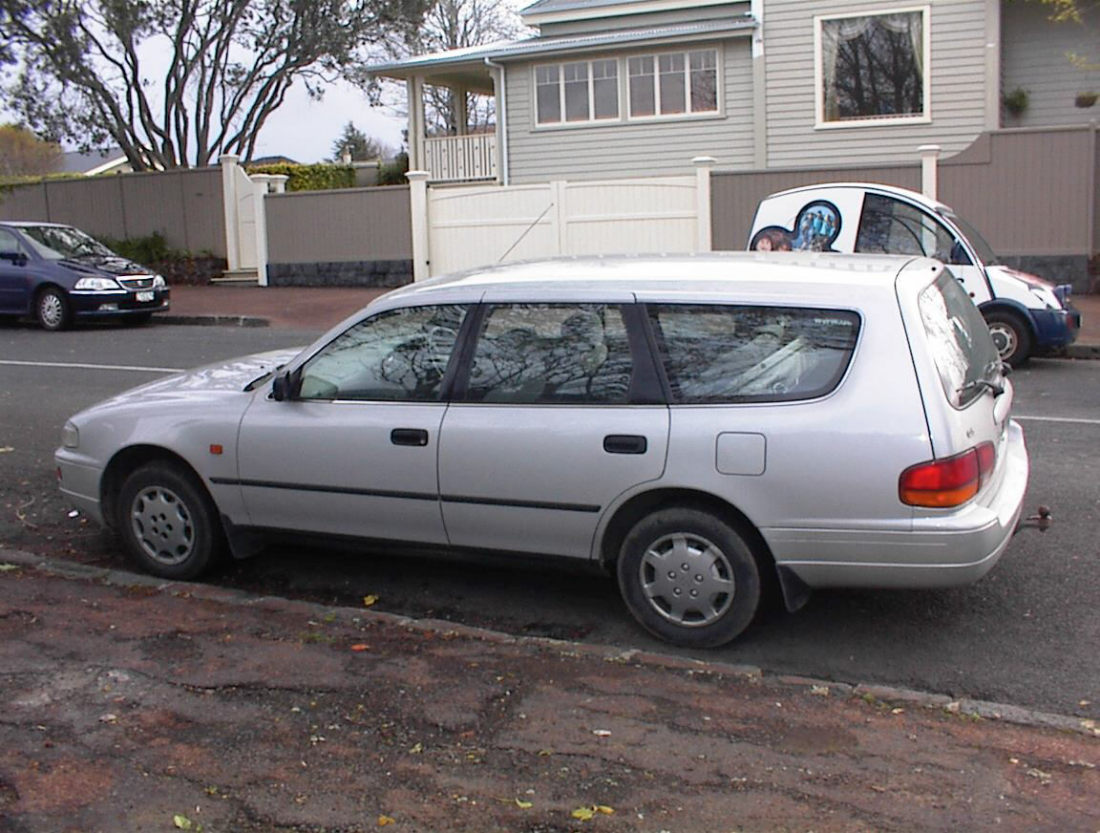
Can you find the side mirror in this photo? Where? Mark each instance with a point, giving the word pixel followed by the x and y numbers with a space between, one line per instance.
pixel 16 258
pixel 282 387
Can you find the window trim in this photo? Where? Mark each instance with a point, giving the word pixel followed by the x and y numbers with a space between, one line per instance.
pixel 820 122
pixel 688 113
pixel 622 66
pixel 592 119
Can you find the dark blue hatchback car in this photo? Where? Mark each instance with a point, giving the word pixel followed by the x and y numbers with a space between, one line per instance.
pixel 58 274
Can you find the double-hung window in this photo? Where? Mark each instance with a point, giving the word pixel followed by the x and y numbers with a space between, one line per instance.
pixel 673 83
pixel 873 67
pixel 578 91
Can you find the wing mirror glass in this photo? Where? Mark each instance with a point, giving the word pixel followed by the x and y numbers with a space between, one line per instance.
pixel 283 386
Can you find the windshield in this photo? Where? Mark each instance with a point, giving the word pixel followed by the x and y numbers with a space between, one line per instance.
pixel 981 248
pixel 61 242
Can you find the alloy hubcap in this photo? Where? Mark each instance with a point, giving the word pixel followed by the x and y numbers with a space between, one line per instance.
pixel 51 310
pixel 162 525
pixel 687 579
pixel 1004 339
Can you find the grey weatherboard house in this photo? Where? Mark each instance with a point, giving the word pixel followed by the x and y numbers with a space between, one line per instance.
pixel 627 88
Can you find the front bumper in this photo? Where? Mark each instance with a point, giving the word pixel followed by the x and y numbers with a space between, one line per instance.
pixel 1055 328
pixel 78 478
pixel 118 302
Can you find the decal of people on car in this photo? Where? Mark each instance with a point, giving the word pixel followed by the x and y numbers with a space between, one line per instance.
pixel 815 229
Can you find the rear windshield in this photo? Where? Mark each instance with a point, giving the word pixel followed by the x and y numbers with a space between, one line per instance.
pixel 958 339
pixel 734 354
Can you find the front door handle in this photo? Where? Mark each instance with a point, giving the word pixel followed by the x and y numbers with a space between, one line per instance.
pixel 625 444
pixel 409 436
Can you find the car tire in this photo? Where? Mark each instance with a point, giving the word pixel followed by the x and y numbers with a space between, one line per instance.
pixel 1011 336
pixel 168 523
pixel 689 577
pixel 52 310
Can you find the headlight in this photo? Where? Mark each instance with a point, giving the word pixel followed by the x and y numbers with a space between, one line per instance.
pixel 159 282
pixel 70 436
pixel 97 283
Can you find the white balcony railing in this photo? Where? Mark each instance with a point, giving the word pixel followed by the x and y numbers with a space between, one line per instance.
pixel 462 158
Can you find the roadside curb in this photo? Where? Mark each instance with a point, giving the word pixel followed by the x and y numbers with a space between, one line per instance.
pixel 214 320
pixel 874 693
pixel 1083 351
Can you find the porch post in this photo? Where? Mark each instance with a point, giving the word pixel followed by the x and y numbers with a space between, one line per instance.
pixel 418 220
pixel 929 170
pixel 415 87
pixel 462 117
pixel 703 165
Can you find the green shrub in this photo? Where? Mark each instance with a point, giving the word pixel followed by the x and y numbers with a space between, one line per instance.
pixel 393 173
pixel 321 177
pixel 152 248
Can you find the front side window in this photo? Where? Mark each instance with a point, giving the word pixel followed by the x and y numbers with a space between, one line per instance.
pixel 551 354
pixel 873 66
pixel 9 245
pixel 673 83
pixel 958 338
pixel 400 355
pixel 578 91
pixel 737 354
pixel 889 226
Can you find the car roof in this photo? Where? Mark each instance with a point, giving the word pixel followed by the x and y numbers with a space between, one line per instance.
pixel 875 187
pixel 29 223
pixel 775 275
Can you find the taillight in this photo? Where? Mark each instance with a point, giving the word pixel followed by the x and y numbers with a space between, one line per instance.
pixel 949 482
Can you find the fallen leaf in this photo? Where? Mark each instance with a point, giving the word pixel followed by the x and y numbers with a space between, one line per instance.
pixel 184 823
pixel 603 808
pixel 384 820
pixel 360 646
pixel 6 450
pixel 601 733
pixel 416 750
pixel 1044 778
pixel 524 805
pixel 7 568
pixel 368 601
pixel 583 813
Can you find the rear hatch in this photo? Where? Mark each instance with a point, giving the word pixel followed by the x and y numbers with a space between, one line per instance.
pixel 966 392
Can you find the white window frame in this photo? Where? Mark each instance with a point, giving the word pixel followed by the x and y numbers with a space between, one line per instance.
pixel 873 121
pixel 688 113
pixel 563 121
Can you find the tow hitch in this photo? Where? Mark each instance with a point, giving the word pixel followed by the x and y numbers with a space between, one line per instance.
pixel 1041 520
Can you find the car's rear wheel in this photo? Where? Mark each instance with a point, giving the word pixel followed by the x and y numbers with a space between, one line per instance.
pixel 689 578
pixel 1010 335
pixel 168 522
pixel 51 308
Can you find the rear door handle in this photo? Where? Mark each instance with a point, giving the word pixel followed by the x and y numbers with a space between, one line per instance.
pixel 625 444
pixel 409 436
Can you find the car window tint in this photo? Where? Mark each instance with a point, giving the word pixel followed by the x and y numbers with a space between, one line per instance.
pixel 9 245
pixel 551 353
pixel 716 353
pixel 397 355
pixel 889 226
pixel 958 339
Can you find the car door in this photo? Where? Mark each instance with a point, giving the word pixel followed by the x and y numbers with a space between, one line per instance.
pixel 15 274
pixel 549 427
pixel 888 225
pixel 352 451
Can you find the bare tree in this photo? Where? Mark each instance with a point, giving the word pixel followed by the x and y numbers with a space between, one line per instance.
pixel 175 83
pixel 457 24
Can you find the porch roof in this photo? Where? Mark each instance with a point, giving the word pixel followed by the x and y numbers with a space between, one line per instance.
pixel 469 63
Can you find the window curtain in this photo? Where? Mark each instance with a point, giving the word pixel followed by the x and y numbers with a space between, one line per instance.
pixel 843 30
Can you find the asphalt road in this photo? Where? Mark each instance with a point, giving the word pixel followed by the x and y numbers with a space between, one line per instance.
pixel 1026 634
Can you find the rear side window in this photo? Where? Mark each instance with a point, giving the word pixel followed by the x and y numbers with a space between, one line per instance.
pixel 958 339
pixel 733 354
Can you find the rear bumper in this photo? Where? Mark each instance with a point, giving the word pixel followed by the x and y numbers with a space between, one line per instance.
pixel 936 550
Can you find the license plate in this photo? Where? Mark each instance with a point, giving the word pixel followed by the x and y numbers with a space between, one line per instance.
pixel 143 297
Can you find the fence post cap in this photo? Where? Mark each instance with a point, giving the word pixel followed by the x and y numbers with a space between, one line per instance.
pixel 228 159
pixel 417 176
pixel 704 161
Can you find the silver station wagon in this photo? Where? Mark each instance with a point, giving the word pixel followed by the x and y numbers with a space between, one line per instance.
pixel 702 426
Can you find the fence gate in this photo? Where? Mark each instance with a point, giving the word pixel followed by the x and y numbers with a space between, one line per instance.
pixel 481 225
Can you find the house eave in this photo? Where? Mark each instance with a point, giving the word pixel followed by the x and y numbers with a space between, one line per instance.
pixel 442 64
pixel 596 11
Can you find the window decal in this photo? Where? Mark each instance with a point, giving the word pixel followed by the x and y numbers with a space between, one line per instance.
pixel 815 230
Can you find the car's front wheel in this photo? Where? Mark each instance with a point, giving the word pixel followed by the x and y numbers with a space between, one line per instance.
pixel 1010 335
pixel 52 310
pixel 689 578
pixel 167 522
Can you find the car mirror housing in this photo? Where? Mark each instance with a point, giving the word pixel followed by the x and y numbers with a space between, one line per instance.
pixel 16 258
pixel 282 386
